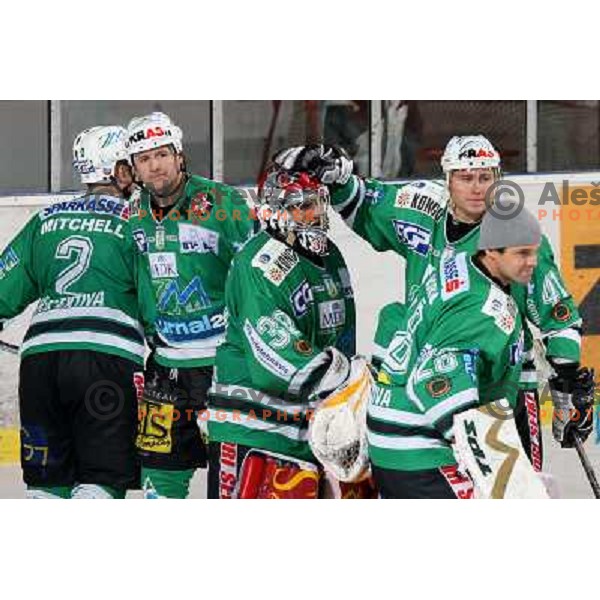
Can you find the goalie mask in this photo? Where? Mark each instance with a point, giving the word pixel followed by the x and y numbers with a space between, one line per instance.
pixel 295 204
pixel 96 152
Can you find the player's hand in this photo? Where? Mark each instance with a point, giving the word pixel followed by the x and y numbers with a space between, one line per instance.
pixel 573 398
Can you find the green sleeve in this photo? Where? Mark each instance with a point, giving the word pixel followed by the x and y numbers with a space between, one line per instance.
pixel 18 287
pixel 470 363
pixel 366 205
pixel 400 218
pixel 445 383
pixel 390 318
pixel 551 308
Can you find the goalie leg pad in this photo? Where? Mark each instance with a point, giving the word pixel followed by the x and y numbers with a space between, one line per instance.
pixel 271 476
pixel 237 471
pixel 489 449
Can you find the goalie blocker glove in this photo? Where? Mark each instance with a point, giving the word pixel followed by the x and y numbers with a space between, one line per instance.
pixel 572 392
pixel 330 164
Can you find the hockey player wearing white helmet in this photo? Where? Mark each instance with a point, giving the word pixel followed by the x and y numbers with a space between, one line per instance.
pixel 187 229
pixel 426 222
pixel 100 157
pixel 83 353
pixel 471 165
pixel 289 338
pixel 156 150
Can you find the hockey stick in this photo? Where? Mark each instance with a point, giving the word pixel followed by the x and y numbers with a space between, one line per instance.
pixel 10 348
pixel 587 467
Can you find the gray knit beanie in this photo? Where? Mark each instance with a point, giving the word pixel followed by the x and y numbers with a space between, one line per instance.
pixel 508 225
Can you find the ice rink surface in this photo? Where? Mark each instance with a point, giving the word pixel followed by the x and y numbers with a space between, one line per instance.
pixel 377 281
pixel 564 465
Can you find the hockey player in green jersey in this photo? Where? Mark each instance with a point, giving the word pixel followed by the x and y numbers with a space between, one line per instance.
pixel 424 221
pixel 289 341
pixel 462 348
pixel 82 356
pixel 187 230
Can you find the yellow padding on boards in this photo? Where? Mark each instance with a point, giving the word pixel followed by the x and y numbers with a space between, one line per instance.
pixel 9 446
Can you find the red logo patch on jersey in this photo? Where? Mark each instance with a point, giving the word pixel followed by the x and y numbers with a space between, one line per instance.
pixel 201 204
pixel 561 312
pixel 438 386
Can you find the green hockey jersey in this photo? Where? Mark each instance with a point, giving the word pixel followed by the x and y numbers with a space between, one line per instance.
pixel 411 220
pixel 77 259
pixel 284 312
pixel 462 348
pixel 184 254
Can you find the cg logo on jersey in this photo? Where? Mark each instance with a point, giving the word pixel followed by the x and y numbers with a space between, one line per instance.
pixel 415 237
pixel 9 260
pixel 301 298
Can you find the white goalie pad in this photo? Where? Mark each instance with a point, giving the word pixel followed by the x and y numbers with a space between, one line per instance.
pixel 338 428
pixel 488 447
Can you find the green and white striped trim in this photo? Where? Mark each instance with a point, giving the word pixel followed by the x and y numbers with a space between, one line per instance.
pixel 393 442
pixel 110 314
pixel 393 415
pixel 84 337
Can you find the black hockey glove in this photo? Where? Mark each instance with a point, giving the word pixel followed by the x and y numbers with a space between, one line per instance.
pixel 572 392
pixel 330 164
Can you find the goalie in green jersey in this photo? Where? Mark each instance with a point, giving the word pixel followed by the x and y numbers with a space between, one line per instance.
pixel 289 342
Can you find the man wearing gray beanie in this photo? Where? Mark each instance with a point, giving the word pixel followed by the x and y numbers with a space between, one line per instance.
pixel 508 243
pixel 463 349
pixel 507 251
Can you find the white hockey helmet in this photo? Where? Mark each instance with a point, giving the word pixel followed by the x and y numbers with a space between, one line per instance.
pixel 153 131
pixel 469 152
pixel 96 152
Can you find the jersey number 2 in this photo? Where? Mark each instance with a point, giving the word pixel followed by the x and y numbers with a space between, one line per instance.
pixel 79 250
